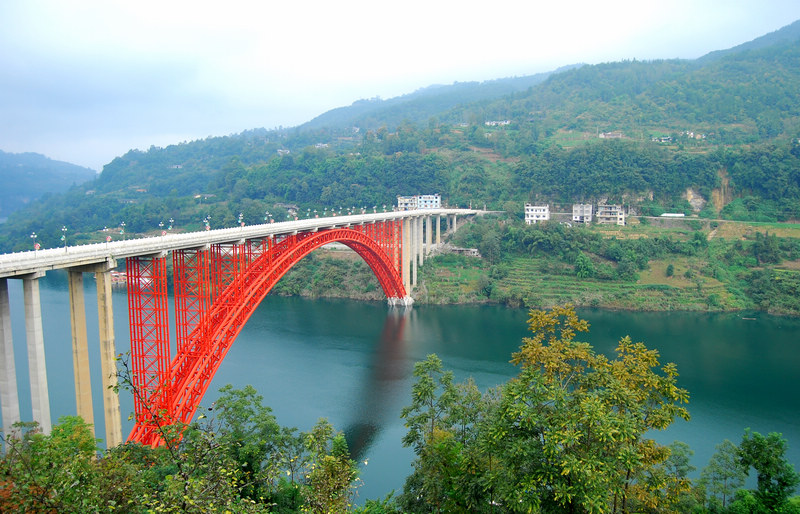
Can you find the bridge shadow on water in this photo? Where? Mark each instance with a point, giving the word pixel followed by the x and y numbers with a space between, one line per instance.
pixel 389 366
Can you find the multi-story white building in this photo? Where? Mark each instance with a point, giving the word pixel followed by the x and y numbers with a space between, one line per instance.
pixel 536 213
pixel 610 214
pixel 407 203
pixel 582 212
pixel 429 201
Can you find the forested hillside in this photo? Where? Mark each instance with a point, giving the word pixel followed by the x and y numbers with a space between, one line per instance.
pixel 724 130
pixel 27 176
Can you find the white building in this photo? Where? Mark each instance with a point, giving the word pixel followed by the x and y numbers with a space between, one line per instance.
pixel 582 212
pixel 610 214
pixel 407 203
pixel 536 213
pixel 429 201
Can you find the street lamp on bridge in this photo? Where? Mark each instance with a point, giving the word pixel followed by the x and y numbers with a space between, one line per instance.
pixel 171 221
pixel 122 230
pixel 35 244
pixel 64 236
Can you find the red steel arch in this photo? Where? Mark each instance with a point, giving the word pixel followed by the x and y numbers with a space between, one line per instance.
pixel 191 371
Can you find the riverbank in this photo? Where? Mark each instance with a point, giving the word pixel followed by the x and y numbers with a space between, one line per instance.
pixel 700 268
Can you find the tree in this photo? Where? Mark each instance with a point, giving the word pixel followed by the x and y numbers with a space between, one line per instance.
pixel 678 468
pixel 428 405
pixel 571 425
pixel 331 472
pixel 670 270
pixel 252 434
pixel 49 473
pixel 455 453
pixel 724 474
pixel 776 477
pixel 584 268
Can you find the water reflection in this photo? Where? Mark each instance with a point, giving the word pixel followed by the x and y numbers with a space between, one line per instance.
pixel 388 367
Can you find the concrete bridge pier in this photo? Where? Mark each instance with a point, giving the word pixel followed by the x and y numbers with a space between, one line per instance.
pixel 405 257
pixel 420 240
pixel 40 397
pixel 414 251
pixel 438 230
pixel 108 355
pixel 9 395
pixel 80 349
pixel 428 234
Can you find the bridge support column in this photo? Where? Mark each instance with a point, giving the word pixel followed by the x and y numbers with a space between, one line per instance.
pixel 414 250
pixel 421 240
pixel 428 235
pixel 405 256
pixel 9 395
pixel 80 349
pixel 455 223
pixel 40 397
pixel 108 364
pixel 438 230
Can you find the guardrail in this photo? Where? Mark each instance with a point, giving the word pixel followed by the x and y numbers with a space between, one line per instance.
pixel 33 261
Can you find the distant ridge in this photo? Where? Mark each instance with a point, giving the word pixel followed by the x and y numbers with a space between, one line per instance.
pixel 786 35
pixel 28 176
pixel 427 102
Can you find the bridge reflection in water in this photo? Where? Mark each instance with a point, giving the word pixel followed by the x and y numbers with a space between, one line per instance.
pixel 388 367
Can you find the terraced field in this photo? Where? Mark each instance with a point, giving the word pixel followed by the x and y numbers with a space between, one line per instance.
pixel 526 285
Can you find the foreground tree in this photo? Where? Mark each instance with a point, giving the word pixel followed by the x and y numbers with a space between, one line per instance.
pixel 724 474
pixel 776 477
pixel 49 473
pixel 574 422
pixel 565 435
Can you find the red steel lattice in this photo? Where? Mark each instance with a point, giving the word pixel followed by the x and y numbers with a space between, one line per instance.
pixel 244 274
pixel 149 327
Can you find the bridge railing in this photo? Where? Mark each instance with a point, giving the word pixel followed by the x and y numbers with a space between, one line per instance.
pixel 23 263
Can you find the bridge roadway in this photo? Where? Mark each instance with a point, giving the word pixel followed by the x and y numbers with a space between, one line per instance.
pixel 25 263
pixel 101 258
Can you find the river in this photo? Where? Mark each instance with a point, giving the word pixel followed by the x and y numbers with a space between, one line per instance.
pixel 352 363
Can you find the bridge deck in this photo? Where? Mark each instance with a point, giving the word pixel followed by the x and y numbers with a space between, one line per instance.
pixel 25 263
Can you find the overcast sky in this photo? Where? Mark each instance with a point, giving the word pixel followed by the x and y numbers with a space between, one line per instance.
pixel 85 81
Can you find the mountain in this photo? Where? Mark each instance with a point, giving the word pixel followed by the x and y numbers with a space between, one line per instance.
pixel 787 35
pixel 724 129
pixel 28 176
pixel 423 104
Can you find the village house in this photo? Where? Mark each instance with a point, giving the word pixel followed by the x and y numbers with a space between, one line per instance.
pixel 536 213
pixel 610 214
pixel 582 212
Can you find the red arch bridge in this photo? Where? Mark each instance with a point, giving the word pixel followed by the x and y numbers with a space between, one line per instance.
pixel 219 278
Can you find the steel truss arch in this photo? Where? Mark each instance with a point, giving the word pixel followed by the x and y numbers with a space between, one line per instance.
pixel 192 370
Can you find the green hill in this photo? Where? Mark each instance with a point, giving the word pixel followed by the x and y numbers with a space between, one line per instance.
pixel 723 129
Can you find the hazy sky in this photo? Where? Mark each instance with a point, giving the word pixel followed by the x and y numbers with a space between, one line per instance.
pixel 85 81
